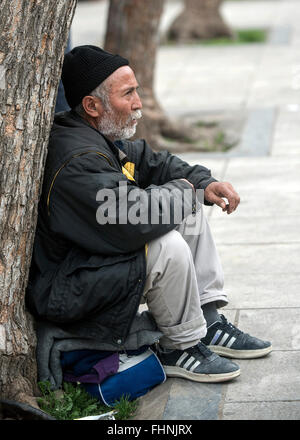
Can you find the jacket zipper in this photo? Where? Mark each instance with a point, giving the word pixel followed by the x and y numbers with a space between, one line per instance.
pixel 63 165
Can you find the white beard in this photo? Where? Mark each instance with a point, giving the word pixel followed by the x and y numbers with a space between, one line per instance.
pixel 111 127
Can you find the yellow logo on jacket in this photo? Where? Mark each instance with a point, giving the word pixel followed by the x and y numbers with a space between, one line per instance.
pixel 128 170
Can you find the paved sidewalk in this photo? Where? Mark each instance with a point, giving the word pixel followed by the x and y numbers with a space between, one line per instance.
pixel 259 244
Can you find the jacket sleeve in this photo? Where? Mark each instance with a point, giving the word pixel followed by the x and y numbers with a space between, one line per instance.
pixel 161 167
pixel 93 205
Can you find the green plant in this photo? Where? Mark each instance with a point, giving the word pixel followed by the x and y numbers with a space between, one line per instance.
pixel 221 143
pixel 73 402
pixel 252 35
pixel 125 409
pixel 208 124
pixel 242 36
pixel 219 138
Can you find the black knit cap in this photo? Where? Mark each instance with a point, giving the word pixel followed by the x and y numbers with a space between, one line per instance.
pixel 84 68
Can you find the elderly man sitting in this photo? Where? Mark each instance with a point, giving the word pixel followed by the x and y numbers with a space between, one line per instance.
pixel 103 245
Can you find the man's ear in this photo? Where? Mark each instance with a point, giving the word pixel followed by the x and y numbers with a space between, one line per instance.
pixel 92 106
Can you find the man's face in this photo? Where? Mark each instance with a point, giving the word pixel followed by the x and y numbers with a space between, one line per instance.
pixel 119 119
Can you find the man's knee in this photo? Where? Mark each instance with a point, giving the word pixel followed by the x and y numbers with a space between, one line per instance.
pixel 171 247
pixel 169 260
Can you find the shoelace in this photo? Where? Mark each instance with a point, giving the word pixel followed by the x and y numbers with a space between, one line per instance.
pixel 230 327
pixel 202 349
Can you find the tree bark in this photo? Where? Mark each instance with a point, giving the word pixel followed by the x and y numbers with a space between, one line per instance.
pixel 33 37
pixel 132 31
pixel 200 19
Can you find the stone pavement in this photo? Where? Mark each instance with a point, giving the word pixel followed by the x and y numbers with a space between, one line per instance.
pixel 259 244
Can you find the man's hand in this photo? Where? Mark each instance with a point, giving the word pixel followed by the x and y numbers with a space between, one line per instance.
pixel 216 190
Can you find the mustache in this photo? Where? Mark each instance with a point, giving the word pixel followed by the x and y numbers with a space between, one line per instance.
pixel 137 114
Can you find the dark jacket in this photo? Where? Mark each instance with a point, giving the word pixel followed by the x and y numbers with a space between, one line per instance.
pixel 83 272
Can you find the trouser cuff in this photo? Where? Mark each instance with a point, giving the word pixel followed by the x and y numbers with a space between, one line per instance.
pixel 219 298
pixel 184 335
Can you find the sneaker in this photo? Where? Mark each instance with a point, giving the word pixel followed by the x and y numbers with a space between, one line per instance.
pixel 226 340
pixel 199 364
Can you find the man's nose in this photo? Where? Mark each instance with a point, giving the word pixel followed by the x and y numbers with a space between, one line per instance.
pixel 137 103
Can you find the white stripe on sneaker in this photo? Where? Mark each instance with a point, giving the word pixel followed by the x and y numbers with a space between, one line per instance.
pixel 181 359
pixel 188 362
pixel 215 338
pixel 230 342
pixel 195 365
pixel 226 335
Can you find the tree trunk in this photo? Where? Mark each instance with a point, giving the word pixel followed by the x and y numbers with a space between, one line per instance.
pixel 200 19
pixel 33 37
pixel 132 31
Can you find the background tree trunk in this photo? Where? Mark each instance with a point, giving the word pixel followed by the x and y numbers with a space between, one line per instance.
pixel 200 19
pixel 32 40
pixel 132 31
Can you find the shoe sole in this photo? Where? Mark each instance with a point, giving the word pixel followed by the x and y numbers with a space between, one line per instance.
pixel 240 354
pixel 200 377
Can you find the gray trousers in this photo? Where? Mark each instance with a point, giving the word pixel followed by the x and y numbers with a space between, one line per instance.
pixel 183 273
